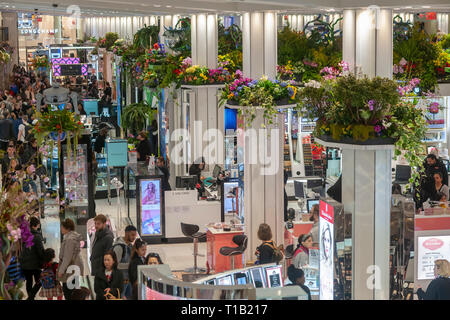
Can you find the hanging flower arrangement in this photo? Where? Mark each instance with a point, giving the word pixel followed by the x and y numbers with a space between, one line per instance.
pixel 40 62
pixel 58 125
pixel 197 75
pixel 156 55
pixel 252 94
pixel 355 110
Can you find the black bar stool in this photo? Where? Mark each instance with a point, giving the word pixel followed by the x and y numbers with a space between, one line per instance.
pixel 241 241
pixel 191 231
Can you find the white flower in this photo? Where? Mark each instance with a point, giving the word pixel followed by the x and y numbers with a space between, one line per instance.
pixel 313 84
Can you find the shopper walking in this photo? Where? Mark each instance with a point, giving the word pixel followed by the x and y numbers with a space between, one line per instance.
pixel 122 248
pixel 69 255
pixel 267 252
pixel 31 260
pixel 439 288
pixel 109 281
pixel 137 259
pixel 102 243
pixel 301 254
pixel 51 287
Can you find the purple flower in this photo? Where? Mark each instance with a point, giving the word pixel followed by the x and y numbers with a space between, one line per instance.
pixel 371 104
pixel 283 84
pixel 377 128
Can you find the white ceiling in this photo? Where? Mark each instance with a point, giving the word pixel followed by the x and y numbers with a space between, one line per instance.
pixel 159 7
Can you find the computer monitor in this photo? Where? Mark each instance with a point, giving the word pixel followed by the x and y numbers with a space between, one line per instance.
pixel 225 280
pixel 314 183
pixel 240 278
pixel 274 277
pixel 311 202
pixel 402 173
pixel 186 182
pixel 298 189
pixel 258 277
pixel 216 171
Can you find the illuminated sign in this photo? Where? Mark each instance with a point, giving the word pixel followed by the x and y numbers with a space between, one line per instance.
pixel 38 31
pixel 425 16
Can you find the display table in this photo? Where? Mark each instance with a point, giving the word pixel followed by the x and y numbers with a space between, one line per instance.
pixel 183 206
pixel 216 239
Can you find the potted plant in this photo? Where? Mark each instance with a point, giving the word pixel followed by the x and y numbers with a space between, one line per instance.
pixel 250 95
pixel 134 116
pixel 355 110
pixel 58 125
pixel 196 75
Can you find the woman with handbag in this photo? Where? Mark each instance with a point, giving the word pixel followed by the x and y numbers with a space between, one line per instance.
pixel 69 255
pixel 108 283
pixel 267 252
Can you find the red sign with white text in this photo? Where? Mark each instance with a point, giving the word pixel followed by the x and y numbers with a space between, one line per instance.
pixel 326 212
pixel 433 244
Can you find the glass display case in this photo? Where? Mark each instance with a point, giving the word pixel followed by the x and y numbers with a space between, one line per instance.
pixel 76 183
pixel 101 183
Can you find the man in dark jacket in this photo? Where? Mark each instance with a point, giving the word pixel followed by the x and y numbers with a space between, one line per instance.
pixel 31 260
pixel 433 165
pixel 161 164
pixel 297 278
pixel 143 148
pixel 6 132
pixel 102 243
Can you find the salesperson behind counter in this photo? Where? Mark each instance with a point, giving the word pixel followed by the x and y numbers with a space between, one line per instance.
pixel 196 170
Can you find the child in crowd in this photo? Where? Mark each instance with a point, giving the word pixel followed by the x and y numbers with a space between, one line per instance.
pixel 51 287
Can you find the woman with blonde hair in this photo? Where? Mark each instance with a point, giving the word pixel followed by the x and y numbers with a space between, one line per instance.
pixel 439 288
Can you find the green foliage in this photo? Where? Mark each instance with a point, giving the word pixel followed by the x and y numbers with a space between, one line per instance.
pixel 229 39
pixel 146 37
pixel 366 108
pixel 134 116
pixel 180 37
pixel 293 46
pixel 420 52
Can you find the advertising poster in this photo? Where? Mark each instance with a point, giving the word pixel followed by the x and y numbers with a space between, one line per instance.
pixel 274 278
pixel 231 194
pixel 431 249
pixel 326 232
pixel 150 198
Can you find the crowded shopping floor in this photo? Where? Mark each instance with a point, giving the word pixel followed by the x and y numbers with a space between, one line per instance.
pixel 224 151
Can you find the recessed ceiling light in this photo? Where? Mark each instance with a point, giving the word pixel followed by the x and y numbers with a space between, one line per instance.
pixel 157 5
pixel 426 7
pixel 168 6
pixel 408 7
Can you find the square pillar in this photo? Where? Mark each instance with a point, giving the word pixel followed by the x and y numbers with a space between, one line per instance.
pixel 263 149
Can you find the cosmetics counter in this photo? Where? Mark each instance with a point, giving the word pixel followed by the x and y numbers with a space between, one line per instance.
pixel 156 282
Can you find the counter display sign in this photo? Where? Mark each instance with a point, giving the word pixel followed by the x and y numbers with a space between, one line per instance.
pixel 431 249
pixel 326 242
pixel 150 207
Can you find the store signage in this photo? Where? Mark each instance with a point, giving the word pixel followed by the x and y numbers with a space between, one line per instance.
pixel 326 245
pixel 429 250
pixel 425 16
pixel 38 31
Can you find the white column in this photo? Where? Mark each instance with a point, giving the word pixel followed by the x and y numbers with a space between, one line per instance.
pixel 263 190
pixel 366 172
pixel 204 108
pixel 300 22
pixel 348 39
